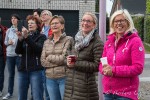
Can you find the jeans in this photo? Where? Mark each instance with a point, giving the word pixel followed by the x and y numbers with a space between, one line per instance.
pixel 11 63
pixel 30 78
pixel 44 86
pixel 56 88
pixel 2 68
pixel 114 97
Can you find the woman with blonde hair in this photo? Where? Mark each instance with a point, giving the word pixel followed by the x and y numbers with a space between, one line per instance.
pixel 81 75
pixel 125 55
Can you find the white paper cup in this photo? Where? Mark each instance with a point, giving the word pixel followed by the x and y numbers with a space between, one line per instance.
pixel 104 60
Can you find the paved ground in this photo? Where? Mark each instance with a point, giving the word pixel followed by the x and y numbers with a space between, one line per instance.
pixel 144 92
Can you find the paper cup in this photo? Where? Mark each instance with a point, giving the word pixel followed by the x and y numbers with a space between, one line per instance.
pixel 104 60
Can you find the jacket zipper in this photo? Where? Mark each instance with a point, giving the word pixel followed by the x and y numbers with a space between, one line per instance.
pixel 37 61
pixel 26 56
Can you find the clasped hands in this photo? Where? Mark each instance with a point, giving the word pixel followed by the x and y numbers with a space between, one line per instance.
pixel 23 34
pixel 107 70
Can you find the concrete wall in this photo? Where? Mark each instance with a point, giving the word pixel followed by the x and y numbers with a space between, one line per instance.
pixel 81 5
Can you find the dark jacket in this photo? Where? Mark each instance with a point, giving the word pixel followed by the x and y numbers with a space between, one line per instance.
pixel 30 51
pixel 81 80
pixel 3 30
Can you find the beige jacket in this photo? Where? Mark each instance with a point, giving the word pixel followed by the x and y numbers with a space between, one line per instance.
pixel 53 56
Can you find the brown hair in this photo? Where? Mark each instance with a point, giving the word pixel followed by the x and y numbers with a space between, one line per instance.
pixel 38 22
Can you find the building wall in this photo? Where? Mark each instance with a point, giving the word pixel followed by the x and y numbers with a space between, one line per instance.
pixel 81 5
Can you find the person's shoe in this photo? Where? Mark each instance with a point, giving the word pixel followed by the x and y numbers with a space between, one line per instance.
pixel 1 93
pixel 7 96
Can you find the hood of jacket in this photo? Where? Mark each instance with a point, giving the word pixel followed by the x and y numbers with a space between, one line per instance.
pixel 126 36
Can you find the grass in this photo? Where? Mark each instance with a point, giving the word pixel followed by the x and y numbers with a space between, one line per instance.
pixel 147 48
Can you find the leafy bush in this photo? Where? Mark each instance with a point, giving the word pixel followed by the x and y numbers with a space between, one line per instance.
pixel 139 25
pixel 147 29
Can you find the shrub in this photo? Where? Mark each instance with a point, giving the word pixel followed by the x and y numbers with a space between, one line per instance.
pixel 139 25
pixel 147 30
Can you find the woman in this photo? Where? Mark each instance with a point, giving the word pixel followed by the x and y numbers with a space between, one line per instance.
pixel 81 77
pixel 125 54
pixel 12 59
pixel 52 58
pixel 29 47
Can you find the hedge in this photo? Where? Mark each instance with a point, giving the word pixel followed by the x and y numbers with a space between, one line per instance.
pixel 139 25
pixel 147 29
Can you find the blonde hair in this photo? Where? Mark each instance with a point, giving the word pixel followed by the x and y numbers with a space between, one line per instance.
pixel 127 16
pixel 61 20
pixel 93 16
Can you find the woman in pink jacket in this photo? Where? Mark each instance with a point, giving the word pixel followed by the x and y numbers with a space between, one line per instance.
pixel 125 56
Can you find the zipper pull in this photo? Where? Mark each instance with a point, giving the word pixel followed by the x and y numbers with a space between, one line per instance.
pixel 37 61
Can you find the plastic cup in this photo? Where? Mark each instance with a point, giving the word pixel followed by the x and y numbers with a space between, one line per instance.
pixel 73 58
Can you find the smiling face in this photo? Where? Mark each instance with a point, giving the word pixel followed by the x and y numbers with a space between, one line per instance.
pixel 120 24
pixel 32 26
pixel 87 24
pixel 56 26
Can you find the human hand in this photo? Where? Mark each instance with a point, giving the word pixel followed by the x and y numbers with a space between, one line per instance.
pixel 24 32
pixel 10 42
pixel 71 60
pixel 107 70
pixel 19 34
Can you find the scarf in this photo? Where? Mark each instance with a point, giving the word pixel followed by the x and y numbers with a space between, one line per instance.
pixel 81 41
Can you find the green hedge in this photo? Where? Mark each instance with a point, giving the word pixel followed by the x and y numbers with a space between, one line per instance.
pixel 147 29
pixel 139 25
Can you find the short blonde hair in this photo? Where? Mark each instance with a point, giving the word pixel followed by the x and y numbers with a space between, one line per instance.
pixel 61 20
pixel 93 16
pixel 127 16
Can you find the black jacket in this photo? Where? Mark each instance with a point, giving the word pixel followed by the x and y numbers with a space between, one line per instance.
pixel 30 50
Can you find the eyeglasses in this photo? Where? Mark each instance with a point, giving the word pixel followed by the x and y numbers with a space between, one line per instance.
pixel 32 23
pixel 55 23
pixel 87 21
pixel 120 21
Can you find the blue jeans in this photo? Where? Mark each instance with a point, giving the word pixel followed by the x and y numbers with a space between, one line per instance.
pixel 33 78
pixel 114 97
pixel 44 86
pixel 11 63
pixel 2 68
pixel 56 88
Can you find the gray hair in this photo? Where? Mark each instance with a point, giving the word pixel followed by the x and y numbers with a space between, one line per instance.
pixel 47 11
pixel 127 16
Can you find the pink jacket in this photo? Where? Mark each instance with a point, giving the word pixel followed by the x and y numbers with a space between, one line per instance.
pixel 127 61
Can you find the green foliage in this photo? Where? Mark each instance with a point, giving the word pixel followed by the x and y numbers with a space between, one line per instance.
pixel 147 29
pixel 139 25
pixel 148 7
